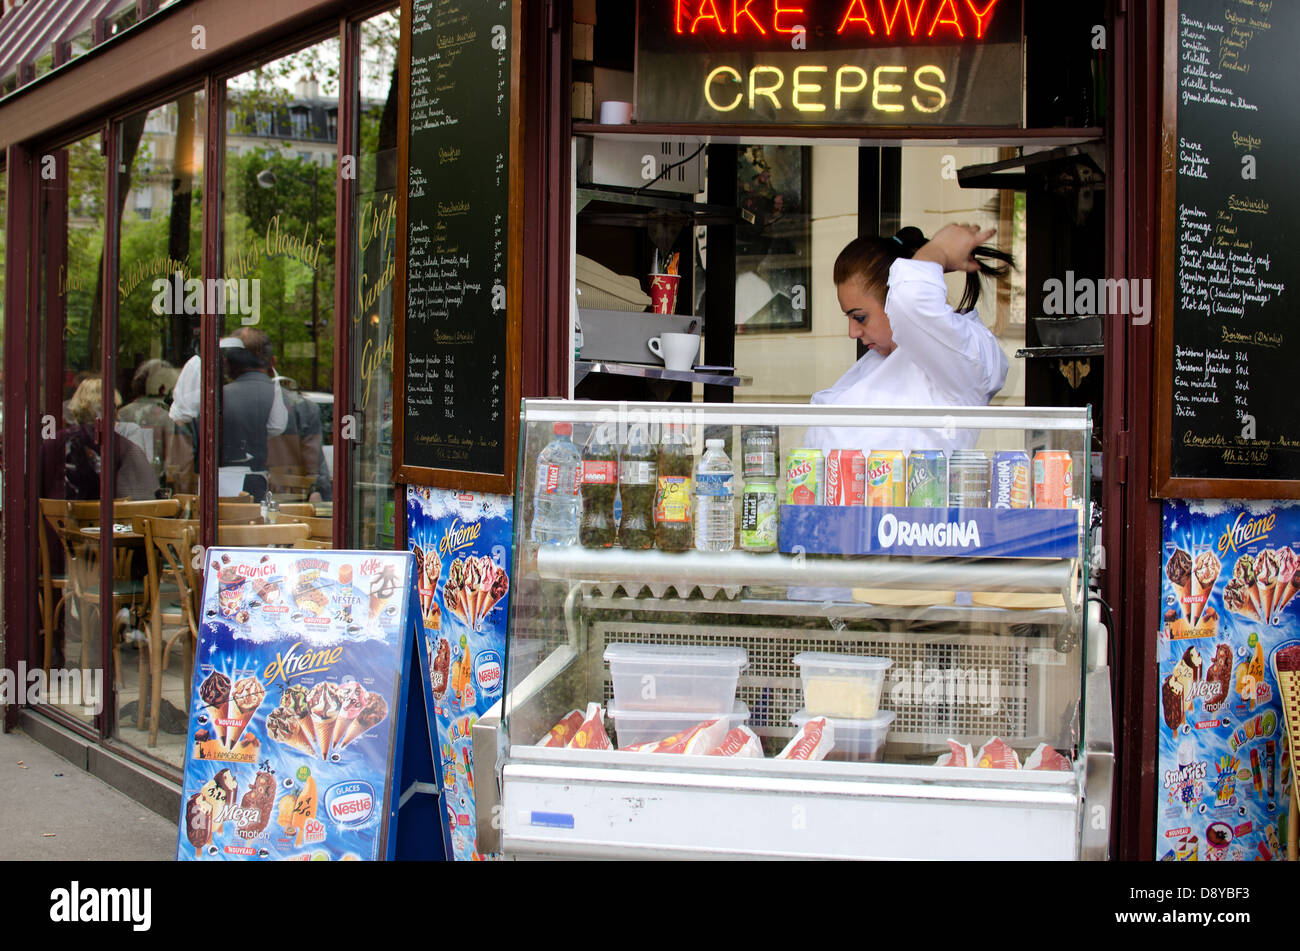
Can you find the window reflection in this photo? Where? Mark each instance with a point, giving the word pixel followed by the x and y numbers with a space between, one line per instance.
pixel 277 347
pixel 73 423
pixel 374 232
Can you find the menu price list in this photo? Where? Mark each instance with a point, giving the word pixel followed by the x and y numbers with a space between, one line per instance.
pixel 457 218
pixel 1235 206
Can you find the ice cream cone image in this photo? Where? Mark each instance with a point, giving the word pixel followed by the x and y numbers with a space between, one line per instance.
pixel 1205 574
pixel 1236 599
pixel 215 694
pixel 282 727
pixel 1243 573
pixel 352 700
pixel 294 700
pixel 1266 574
pixel 323 701
pixel 373 713
pixel 245 697
pixel 1179 572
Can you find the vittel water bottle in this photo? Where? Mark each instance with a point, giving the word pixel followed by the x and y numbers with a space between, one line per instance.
pixel 557 503
pixel 715 511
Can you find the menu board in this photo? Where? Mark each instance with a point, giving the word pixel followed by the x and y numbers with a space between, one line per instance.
pixel 296 707
pixel 1229 586
pixel 1234 215
pixel 457 336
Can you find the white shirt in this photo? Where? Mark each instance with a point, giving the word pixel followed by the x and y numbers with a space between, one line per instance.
pixel 187 397
pixel 941 358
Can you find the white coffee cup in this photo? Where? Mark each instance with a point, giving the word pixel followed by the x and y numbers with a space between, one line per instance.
pixel 615 112
pixel 678 351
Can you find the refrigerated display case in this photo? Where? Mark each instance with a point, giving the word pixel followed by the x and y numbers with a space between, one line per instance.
pixel 981 613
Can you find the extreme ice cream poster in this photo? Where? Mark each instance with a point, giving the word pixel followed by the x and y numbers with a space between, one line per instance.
pixel 462 544
pixel 297 684
pixel 1228 602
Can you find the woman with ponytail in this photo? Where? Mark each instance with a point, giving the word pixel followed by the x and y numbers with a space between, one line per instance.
pixel 920 351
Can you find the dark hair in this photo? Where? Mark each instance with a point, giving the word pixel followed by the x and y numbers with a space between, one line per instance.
pixel 869 258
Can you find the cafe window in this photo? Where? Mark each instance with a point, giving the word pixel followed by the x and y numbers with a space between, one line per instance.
pixel 71 415
pixel 374 234
pixel 156 371
pixel 277 344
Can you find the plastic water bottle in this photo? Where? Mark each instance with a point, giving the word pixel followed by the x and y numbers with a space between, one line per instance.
pixel 715 510
pixel 557 499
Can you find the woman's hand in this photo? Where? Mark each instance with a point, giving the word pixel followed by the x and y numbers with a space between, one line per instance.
pixel 952 245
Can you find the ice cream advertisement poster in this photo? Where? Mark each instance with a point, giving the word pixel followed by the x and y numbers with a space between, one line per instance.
pixel 461 543
pixel 295 707
pixel 1229 615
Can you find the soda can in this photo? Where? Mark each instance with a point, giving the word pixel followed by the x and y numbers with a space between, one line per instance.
pixel 1011 479
pixel 805 477
pixel 1053 479
pixel 886 477
pixel 761 451
pixel 758 516
pixel 927 479
pixel 968 479
pixel 846 477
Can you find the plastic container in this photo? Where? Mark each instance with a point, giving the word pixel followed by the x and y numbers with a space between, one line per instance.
pixel 842 685
pixel 641 726
pixel 669 678
pixel 860 741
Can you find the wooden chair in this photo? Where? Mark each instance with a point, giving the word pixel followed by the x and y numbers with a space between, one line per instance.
pixel 188 500
pixel 173 600
pixel 48 583
pixel 251 512
pixel 290 485
pixel 314 543
pixel 322 529
pixel 261 536
pixel 68 521
pixel 151 508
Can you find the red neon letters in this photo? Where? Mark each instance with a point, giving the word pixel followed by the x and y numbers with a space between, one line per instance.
pixel 953 19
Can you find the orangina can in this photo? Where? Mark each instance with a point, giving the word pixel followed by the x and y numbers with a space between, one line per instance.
pixel 886 477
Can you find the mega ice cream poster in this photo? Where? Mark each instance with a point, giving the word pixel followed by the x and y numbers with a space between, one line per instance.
pixel 295 708
pixel 461 542
pixel 1228 598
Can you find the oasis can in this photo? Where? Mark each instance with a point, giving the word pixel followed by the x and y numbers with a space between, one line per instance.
pixel 805 477
pixel 886 477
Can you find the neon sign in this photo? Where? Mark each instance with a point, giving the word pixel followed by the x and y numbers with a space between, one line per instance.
pixel 955 19
pixel 896 62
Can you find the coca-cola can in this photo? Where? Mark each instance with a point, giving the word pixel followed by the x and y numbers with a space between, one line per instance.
pixel 846 477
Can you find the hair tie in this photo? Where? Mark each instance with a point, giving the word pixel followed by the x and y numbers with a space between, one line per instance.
pixel 899 240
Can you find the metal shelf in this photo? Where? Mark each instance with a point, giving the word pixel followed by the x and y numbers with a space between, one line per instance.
pixel 728 569
pixel 847 610
pixel 583 367
pixel 1083 350
pixel 651 203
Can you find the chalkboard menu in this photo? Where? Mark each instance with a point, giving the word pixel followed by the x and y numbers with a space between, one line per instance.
pixel 456 352
pixel 1229 343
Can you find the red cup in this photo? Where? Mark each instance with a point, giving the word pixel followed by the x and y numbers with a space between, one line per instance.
pixel 663 293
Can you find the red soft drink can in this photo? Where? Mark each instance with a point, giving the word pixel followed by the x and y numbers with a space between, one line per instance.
pixel 846 477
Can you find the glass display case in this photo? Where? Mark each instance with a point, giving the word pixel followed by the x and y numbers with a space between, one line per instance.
pixel 887 651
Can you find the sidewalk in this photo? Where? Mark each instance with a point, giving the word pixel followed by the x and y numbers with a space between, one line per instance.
pixel 87 820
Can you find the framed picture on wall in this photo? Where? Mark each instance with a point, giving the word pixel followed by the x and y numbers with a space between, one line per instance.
pixel 773 238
